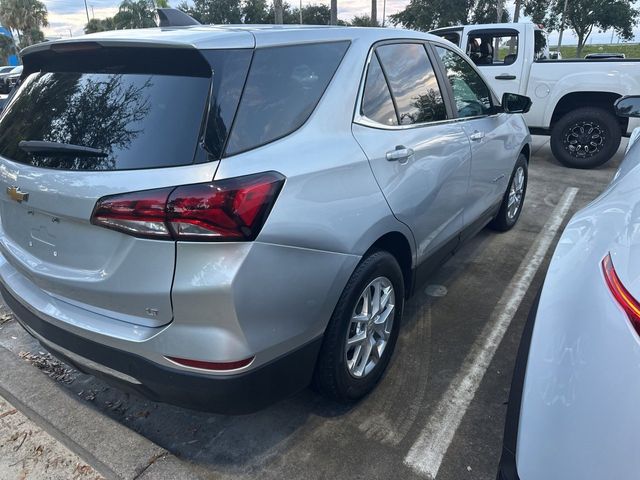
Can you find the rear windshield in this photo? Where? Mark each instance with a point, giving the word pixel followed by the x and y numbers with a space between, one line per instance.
pixel 135 120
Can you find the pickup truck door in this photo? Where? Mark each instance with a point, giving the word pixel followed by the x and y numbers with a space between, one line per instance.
pixel 496 52
pixel 490 134
pixel 419 155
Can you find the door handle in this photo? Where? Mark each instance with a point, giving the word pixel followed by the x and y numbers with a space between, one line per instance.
pixel 476 136
pixel 401 153
pixel 505 76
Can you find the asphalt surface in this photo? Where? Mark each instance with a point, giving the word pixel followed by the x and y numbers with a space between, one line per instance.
pixel 445 332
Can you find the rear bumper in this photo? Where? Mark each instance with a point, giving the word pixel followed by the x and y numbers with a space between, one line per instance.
pixel 507 469
pixel 229 394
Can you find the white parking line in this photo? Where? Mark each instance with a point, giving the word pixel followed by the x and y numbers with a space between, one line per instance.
pixel 426 454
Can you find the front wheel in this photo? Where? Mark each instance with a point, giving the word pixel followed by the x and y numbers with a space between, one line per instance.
pixel 513 199
pixel 363 330
pixel 586 137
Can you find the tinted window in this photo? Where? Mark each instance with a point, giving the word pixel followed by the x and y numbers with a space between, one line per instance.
pixel 413 83
pixel 376 102
pixel 283 88
pixel 136 120
pixel 229 73
pixel 541 46
pixel 471 94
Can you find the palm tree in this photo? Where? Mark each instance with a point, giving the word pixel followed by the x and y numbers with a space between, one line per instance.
pixel 374 13
pixel 26 18
pixel 334 12
pixel 135 14
pixel 279 12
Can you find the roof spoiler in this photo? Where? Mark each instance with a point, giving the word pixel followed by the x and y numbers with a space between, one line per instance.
pixel 172 17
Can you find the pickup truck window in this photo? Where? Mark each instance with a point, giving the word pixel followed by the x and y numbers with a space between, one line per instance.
pixel 541 46
pixel 471 95
pixel 377 104
pixel 412 82
pixel 494 48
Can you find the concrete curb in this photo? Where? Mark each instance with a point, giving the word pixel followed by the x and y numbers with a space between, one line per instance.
pixel 115 451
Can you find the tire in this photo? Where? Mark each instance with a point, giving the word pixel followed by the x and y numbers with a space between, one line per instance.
pixel 586 137
pixel 509 213
pixel 337 374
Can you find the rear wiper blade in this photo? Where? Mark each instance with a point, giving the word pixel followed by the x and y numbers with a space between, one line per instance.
pixel 43 147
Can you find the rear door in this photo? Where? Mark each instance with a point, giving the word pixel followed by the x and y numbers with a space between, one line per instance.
pixel 496 53
pixel 143 112
pixel 420 158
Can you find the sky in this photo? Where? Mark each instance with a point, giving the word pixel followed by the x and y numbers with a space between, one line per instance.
pixel 68 17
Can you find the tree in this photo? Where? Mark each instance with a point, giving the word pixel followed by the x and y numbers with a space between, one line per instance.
pixel 135 14
pixel 26 18
pixel 255 11
pixel 214 11
pixel 429 14
pixel 537 10
pixel 583 16
pixel 486 11
pixel 99 25
pixel 315 14
pixel 278 11
pixel 362 21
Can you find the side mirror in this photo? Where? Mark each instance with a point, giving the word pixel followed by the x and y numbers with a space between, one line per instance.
pixel 628 106
pixel 514 103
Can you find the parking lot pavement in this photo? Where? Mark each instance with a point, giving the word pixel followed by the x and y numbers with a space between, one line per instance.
pixel 439 409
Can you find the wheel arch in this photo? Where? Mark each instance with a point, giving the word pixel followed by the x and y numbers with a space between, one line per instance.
pixel 398 245
pixel 574 100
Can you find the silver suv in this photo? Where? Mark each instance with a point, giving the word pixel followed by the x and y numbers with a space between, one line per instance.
pixel 218 216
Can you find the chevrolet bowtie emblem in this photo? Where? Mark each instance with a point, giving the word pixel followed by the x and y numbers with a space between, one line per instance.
pixel 17 195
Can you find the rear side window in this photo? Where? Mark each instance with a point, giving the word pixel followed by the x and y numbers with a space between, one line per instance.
pixel 413 83
pixel 377 104
pixel 135 120
pixel 283 88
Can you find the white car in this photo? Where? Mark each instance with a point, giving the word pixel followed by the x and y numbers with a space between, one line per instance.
pixel 572 98
pixel 573 407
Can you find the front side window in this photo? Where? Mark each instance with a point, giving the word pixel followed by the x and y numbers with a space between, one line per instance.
pixel 471 95
pixel 413 83
pixel 283 87
pixel 377 104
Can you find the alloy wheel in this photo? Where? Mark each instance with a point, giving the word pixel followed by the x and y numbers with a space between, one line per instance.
pixel 370 327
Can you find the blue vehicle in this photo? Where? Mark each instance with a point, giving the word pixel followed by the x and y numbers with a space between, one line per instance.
pixel 13 57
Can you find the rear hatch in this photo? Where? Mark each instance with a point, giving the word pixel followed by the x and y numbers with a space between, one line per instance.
pixel 89 121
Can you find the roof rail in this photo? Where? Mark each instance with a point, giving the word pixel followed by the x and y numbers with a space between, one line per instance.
pixel 172 17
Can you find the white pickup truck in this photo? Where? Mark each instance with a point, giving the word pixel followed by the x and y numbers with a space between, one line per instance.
pixel 572 99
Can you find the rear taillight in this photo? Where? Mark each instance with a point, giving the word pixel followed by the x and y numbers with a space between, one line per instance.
pixel 629 304
pixel 224 210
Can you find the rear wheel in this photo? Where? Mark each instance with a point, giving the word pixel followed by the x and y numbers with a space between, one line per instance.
pixel 363 330
pixel 586 137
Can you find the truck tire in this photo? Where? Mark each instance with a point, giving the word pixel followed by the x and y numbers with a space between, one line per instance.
pixel 586 137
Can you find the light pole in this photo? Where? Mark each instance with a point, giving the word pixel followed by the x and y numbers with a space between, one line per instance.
pixel 384 11
pixel 86 10
pixel 300 12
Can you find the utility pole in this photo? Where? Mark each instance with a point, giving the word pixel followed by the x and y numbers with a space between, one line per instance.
pixel 86 10
pixel 384 11
pixel 374 13
pixel 300 12
pixel 564 15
